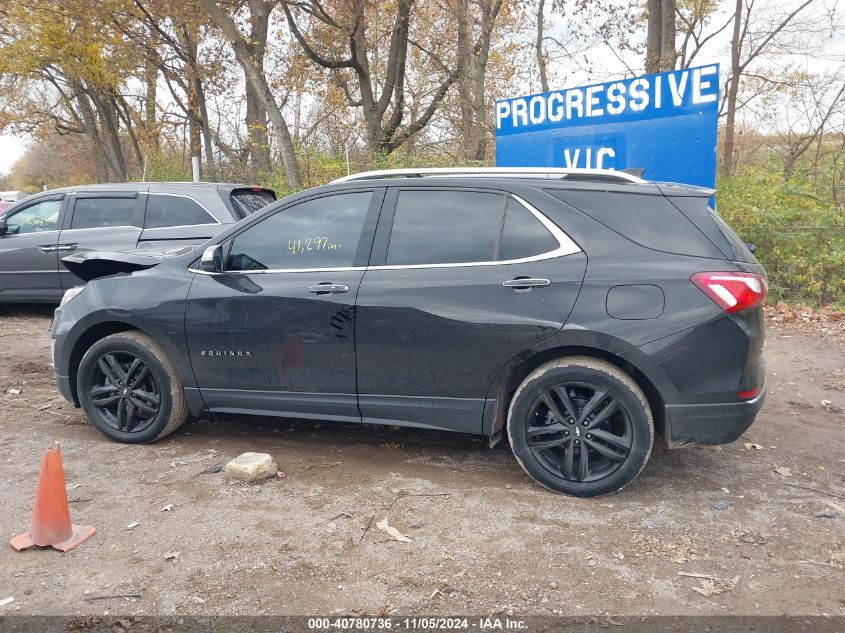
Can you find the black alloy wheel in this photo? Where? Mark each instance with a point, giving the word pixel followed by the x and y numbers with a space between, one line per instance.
pixel 124 393
pixel 580 426
pixel 129 388
pixel 579 431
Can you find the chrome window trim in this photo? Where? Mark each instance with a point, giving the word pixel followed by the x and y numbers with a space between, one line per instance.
pixel 566 246
pixel 179 195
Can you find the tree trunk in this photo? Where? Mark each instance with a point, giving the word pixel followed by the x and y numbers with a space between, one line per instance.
pixel 258 80
pixel 733 90
pixel 540 50
pixel 111 138
pixel 479 136
pixel 150 133
pixel 200 132
pixel 667 35
pixel 465 64
pixel 256 114
pixel 89 119
pixel 653 36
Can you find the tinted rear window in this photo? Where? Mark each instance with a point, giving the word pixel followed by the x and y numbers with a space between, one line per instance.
pixel 95 213
pixel 246 201
pixel 649 220
pixel 445 227
pixel 168 210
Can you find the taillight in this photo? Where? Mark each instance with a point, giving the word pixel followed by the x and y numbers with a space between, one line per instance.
pixel 733 292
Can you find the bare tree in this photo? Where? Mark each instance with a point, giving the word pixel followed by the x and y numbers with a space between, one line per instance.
pixel 384 107
pixel 256 114
pixel 255 75
pixel 660 36
pixel 539 46
pixel 747 45
pixel 473 58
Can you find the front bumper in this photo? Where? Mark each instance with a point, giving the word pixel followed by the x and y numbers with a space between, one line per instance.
pixel 710 423
pixel 63 384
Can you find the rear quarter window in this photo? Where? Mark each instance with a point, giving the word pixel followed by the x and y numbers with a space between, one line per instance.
pixel 171 210
pixel 649 220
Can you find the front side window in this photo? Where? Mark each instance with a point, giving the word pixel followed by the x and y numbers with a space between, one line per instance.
pixel 445 227
pixel 36 218
pixel 317 233
pixel 95 213
pixel 163 210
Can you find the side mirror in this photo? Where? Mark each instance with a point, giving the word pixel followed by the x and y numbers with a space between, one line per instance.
pixel 212 259
pixel 3 226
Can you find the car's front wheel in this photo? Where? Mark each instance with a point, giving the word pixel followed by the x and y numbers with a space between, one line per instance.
pixel 580 426
pixel 130 390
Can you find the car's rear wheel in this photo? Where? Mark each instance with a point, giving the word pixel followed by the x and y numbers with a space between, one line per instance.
pixel 130 390
pixel 580 426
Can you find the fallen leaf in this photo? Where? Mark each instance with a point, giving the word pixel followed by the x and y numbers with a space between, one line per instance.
pixel 750 445
pixel 166 508
pixel 785 471
pixel 132 525
pixel 172 556
pixel 396 534
pixel 826 403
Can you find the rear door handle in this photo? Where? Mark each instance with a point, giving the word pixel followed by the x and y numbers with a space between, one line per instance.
pixel 327 288
pixel 66 248
pixel 525 283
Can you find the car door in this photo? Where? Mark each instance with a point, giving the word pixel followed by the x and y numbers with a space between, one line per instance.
pixel 28 259
pixel 460 282
pixel 275 332
pixel 99 221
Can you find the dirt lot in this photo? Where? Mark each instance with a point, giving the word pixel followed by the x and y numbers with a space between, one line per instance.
pixel 485 538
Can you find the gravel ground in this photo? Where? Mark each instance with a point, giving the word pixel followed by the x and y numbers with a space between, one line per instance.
pixel 484 538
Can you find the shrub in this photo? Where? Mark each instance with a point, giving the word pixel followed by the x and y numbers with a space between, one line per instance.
pixel 800 236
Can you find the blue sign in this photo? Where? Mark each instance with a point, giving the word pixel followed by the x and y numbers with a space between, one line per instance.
pixel 664 123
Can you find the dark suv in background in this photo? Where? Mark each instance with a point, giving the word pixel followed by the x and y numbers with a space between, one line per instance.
pixel 36 232
pixel 579 311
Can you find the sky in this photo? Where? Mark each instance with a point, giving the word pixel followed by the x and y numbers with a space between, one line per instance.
pixel 11 149
pixel 607 65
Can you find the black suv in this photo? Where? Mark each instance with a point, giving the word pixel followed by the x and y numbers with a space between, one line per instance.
pixel 36 232
pixel 580 311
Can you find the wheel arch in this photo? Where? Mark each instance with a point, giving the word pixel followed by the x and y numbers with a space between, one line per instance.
pixel 519 371
pixel 84 342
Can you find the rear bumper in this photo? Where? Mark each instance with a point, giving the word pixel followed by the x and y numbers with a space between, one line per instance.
pixel 710 423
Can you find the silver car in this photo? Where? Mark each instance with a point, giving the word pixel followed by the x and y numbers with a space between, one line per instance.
pixel 38 231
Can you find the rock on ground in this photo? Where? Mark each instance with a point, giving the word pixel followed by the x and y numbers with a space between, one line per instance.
pixel 251 467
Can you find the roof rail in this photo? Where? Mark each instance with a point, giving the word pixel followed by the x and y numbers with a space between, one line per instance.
pixel 603 175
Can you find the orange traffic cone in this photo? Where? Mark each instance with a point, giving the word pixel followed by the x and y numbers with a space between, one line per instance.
pixel 50 513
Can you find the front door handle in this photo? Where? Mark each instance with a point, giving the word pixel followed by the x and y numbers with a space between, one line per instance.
pixel 48 249
pixel 526 283
pixel 66 248
pixel 327 288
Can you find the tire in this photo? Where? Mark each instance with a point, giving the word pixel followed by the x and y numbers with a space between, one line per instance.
pixel 152 400
pixel 619 427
